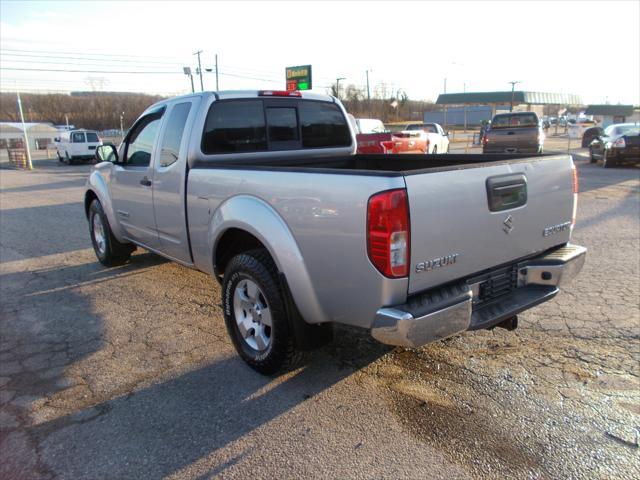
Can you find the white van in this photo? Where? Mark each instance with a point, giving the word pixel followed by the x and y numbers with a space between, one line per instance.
pixel 77 145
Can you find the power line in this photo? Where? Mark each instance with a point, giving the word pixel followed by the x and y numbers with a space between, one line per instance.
pixel 87 53
pixel 83 71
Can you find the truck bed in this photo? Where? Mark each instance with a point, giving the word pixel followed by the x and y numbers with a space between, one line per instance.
pixel 391 165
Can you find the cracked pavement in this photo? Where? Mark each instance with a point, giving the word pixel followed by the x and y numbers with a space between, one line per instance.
pixel 128 372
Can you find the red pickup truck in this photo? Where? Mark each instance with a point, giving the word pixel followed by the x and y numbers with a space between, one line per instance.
pixel 374 138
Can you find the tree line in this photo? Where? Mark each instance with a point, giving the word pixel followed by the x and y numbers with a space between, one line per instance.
pixel 102 110
pixel 94 111
pixel 382 102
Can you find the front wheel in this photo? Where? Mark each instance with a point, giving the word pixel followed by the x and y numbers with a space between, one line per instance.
pixel 255 313
pixel 108 249
pixel 592 159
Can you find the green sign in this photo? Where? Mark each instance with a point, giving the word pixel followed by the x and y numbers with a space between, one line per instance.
pixel 298 78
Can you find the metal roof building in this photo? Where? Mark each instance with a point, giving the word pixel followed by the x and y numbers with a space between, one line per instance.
pixel 502 98
pixel 40 134
pixel 613 110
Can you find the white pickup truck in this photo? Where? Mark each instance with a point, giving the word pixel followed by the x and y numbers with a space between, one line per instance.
pixel 263 190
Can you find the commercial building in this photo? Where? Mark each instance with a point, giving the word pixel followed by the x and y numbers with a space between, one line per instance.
pixel 605 115
pixel 40 135
pixel 473 107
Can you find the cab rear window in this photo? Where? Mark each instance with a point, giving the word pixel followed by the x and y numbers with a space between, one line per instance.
pixel 240 126
pixel 235 126
pixel 92 137
pixel 323 125
pixel 519 120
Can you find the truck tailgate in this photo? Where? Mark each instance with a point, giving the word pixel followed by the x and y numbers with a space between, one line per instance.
pixel 513 137
pixel 467 220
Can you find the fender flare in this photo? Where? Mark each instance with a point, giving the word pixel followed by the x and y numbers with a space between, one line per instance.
pixel 98 186
pixel 255 216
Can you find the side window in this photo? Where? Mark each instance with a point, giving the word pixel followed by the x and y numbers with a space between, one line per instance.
pixel 170 148
pixel 77 137
pixel 283 124
pixel 235 126
pixel 92 137
pixel 323 125
pixel 140 143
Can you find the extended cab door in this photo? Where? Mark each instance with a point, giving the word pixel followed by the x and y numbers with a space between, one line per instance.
pixel 132 180
pixel 169 180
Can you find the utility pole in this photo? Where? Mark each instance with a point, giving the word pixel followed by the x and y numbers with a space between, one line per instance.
pixel 464 90
pixel 24 131
pixel 368 94
pixel 187 71
pixel 338 86
pixel 217 87
pixel 200 70
pixel 513 86
pixel 445 105
pixel 66 118
pixel 121 125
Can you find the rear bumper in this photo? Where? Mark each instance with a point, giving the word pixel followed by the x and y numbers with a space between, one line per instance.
pixel 442 312
pixel 630 153
pixel 512 149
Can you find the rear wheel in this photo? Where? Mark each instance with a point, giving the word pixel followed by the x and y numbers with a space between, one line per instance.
pixel 607 161
pixel 108 249
pixel 255 313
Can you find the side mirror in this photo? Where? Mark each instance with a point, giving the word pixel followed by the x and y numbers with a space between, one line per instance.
pixel 107 153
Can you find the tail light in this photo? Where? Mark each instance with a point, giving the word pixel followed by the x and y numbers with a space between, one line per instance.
pixel 619 143
pixel 485 140
pixel 387 146
pixel 575 194
pixel 388 232
pixel 279 93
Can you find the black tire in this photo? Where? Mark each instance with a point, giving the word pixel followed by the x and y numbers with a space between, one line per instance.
pixel 607 162
pixel 60 159
pixel 68 159
pixel 280 354
pixel 113 253
pixel 592 159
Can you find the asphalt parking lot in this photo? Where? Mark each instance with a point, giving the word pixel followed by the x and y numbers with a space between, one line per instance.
pixel 128 373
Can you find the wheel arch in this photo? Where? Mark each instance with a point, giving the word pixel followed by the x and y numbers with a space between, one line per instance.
pixel 244 223
pixel 97 189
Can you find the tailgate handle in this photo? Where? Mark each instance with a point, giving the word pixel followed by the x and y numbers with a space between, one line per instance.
pixel 505 192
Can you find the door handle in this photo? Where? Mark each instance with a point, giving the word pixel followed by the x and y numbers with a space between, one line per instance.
pixel 146 182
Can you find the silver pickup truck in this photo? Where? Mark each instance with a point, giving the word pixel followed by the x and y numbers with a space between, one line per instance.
pixel 264 191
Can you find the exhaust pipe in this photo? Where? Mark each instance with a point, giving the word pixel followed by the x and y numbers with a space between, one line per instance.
pixel 510 323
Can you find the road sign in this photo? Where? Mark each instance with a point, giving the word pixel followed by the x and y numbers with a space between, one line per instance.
pixel 298 78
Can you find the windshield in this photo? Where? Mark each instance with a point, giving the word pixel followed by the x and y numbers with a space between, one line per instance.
pixel 393 128
pixel 620 130
pixel 518 120
pixel 424 127
pixel 366 125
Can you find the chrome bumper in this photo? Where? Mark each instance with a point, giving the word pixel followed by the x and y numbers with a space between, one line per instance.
pixel 443 312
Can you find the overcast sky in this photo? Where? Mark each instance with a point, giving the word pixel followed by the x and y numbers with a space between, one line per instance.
pixel 588 48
